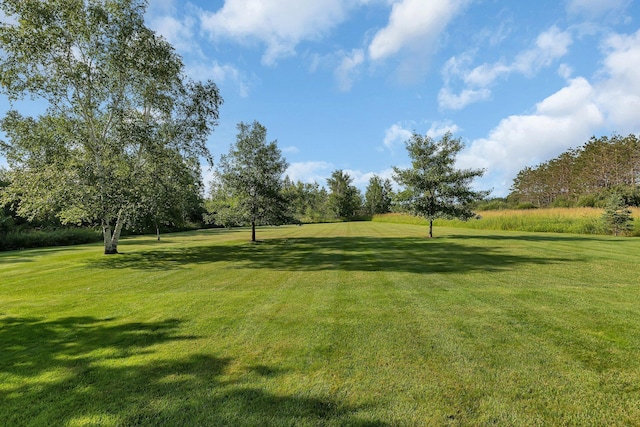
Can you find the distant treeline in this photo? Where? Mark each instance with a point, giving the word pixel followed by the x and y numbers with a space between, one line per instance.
pixel 585 176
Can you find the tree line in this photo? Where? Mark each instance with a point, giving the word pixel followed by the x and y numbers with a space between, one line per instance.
pixel 124 131
pixel 585 176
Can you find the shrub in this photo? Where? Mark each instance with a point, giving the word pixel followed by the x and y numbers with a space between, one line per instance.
pixel 36 239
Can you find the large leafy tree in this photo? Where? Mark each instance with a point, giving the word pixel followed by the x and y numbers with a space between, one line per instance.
pixel 378 196
pixel 118 109
pixel 436 188
pixel 344 198
pixel 250 178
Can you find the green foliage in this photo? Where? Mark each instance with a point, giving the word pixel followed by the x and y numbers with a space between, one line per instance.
pixel 307 202
pixel 23 239
pixel 493 204
pixel 617 216
pixel 345 200
pixel 119 111
pixel 435 187
pixel 555 220
pixel 584 177
pixel 249 181
pixel 378 196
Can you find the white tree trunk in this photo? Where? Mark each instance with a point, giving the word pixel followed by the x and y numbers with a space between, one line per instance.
pixel 111 239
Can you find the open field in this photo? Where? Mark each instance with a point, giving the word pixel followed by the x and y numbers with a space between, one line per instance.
pixel 365 324
pixel 554 220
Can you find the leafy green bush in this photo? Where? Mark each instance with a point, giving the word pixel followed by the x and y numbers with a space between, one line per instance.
pixel 36 239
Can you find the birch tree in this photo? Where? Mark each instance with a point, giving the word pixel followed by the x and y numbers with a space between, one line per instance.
pixel 116 100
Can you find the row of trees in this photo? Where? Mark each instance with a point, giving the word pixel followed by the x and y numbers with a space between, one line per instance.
pixel 585 176
pixel 248 187
pixel 124 131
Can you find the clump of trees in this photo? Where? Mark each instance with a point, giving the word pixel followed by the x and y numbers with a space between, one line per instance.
pixel 586 176
pixel 123 131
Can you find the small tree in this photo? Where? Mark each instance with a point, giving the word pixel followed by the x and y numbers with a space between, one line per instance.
pixel 345 199
pixel 378 196
pixel 435 187
pixel 251 176
pixel 617 216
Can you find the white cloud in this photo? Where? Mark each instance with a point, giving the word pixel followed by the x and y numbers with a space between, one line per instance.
pixel 448 100
pixel 395 136
pixel 221 74
pixel 413 24
pixel 177 32
pixel 565 119
pixel 279 24
pixel 309 172
pixel 438 129
pixel 162 17
pixel 349 68
pixel 549 46
pixel 291 149
pixel 619 92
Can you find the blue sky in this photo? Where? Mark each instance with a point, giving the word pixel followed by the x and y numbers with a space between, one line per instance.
pixel 341 84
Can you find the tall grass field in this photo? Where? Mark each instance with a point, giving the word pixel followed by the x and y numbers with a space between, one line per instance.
pixel 346 324
pixel 554 220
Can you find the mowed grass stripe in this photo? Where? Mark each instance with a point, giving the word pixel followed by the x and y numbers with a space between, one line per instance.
pixel 331 324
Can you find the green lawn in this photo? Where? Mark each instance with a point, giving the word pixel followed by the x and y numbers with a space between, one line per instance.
pixel 364 324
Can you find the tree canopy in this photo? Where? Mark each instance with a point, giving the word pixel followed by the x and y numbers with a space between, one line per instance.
pixel 435 188
pixel 378 196
pixel 119 112
pixel 249 180
pixel 584 176
pixel 344 198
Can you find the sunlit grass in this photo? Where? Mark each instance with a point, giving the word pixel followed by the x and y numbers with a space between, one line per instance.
pixel 334 324
pixel 555 220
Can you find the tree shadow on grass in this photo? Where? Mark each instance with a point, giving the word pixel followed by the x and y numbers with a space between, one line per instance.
pixel 402 254
pixel 89 371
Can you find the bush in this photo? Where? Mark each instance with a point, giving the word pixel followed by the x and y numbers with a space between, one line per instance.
pixel 37 239
pixel 526 205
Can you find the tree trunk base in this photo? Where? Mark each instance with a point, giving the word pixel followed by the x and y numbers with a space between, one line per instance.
pixel 110 251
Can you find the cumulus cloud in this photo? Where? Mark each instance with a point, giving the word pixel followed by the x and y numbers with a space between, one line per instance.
pixel 619 92
pixel 565 119
pixel 438 129
pixel 162 17
pixel 448 100
pixel 549 46
pixel 279 24
pixel 395 136
pixel 309 172
pixel 413 23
